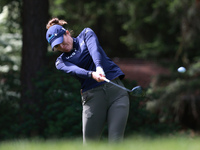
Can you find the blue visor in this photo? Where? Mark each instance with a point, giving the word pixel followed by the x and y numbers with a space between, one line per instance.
pixel 54 35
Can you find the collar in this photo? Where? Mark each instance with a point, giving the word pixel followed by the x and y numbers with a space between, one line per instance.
pixel 75 43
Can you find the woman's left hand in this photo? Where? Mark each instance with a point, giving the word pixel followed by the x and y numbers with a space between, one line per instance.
pixel 98 77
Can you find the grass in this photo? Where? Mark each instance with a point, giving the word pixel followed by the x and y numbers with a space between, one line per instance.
pixel 134 143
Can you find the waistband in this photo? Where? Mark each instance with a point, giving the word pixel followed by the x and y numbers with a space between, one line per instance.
pixel 103 85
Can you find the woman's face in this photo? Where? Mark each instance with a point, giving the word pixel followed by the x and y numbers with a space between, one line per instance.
pixel 66 45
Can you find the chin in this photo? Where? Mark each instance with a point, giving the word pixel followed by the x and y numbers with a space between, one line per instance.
pixel 67 50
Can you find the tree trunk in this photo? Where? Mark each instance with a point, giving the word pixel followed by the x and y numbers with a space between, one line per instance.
pixel 34 19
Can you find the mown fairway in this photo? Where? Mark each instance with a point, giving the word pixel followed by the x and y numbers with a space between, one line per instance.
pixel 135 143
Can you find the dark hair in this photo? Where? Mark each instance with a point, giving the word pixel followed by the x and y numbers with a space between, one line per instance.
pixel 55 21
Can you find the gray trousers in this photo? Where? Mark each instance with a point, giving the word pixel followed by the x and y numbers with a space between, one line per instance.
pixel 105 103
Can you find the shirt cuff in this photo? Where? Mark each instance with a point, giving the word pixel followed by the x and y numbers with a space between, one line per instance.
pixel 89 74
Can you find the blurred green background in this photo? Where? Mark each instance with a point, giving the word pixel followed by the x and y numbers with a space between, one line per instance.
pixel 34 102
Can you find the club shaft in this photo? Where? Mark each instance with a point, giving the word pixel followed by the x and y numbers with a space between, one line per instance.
pixel 108 81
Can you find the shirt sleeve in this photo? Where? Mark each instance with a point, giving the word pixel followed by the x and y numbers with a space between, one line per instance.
pixel 93 46
pixel 72 69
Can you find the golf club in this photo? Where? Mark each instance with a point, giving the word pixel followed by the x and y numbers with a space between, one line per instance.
pixel 136 91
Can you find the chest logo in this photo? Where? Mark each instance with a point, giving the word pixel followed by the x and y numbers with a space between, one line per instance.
pixel 72 54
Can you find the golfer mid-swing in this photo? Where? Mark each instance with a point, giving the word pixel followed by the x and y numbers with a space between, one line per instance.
pixel 84 58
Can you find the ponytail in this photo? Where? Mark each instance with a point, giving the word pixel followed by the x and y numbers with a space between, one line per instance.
pixel 55 21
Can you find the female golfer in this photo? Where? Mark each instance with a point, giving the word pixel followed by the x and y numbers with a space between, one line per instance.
pixel 84 58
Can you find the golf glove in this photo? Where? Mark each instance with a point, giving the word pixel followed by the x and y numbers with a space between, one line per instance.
pixel 100 71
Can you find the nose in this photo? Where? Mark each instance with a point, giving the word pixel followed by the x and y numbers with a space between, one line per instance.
pixel 61 45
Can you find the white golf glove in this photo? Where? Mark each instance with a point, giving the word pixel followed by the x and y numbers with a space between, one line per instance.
pixel 100 71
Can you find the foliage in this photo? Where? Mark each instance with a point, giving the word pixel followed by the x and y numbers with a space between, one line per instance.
pixel 101 16
pixel 178 100
pixel 168 28
pixel 142 121
pixel 13 19
pixel 58 112
pixel 4 3
pixel 156 28
pixel 10 44
pixel 144 29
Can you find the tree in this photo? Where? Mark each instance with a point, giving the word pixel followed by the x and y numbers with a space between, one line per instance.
pixel 190 29
pixel 104 17
pixel 34 19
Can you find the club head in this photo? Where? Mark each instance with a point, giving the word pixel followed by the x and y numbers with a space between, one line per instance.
pixel 137 91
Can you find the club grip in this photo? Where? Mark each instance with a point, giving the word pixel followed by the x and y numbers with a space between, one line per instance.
pixel 105 79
